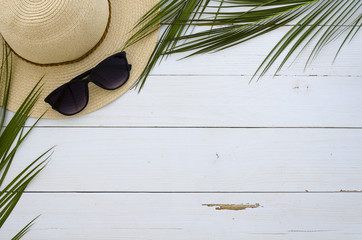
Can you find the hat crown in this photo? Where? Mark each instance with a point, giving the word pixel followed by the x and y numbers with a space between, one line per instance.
pixel 53 31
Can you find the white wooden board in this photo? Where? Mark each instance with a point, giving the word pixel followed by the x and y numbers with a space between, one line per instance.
pixel 230 101
pixel 184 216
pixel 246 58
pixel 118 159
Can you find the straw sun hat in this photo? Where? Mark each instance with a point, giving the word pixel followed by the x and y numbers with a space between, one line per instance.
pixel 60 39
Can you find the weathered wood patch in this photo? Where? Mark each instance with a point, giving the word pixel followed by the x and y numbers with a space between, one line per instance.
pixel 235 207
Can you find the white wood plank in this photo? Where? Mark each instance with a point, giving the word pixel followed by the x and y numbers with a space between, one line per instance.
pixel 245 58
pixel 196 159
pixel 230 101
pixel 183 216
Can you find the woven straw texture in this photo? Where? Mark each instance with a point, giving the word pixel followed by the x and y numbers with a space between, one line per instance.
pixel 125 14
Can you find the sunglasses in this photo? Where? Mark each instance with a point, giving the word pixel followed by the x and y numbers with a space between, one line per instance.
pixel 72 97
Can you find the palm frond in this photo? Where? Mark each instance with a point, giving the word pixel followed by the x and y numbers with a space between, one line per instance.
pixel 173 11
pixel 11 137
pixel 232 22
pixel 25 230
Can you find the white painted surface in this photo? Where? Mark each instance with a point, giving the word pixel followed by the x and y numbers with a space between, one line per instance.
pixel 197 159
pixel 229 101
pixel 183 216
pixel 142 167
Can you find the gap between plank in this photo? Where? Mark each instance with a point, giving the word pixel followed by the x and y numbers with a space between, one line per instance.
pixel 196 127
pixel 191 192
pixel 249 76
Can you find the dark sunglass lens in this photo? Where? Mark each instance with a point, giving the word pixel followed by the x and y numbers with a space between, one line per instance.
pixel 111 73
pixel 69 98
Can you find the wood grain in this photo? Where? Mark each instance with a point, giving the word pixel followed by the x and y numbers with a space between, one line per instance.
pixel 245 58
pixel 118 159
pixel 230 101
pixel 183 216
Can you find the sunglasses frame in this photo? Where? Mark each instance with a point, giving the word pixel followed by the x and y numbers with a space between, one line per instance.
pixel 84 77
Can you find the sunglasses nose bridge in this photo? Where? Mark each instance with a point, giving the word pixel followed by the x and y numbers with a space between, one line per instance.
pixel 82 77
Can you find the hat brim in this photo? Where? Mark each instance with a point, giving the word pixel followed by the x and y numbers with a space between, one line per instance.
pixel 125 15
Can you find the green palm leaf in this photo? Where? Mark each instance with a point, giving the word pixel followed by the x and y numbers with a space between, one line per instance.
pixel 24 231
pixel 232 22
pixel 11 137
